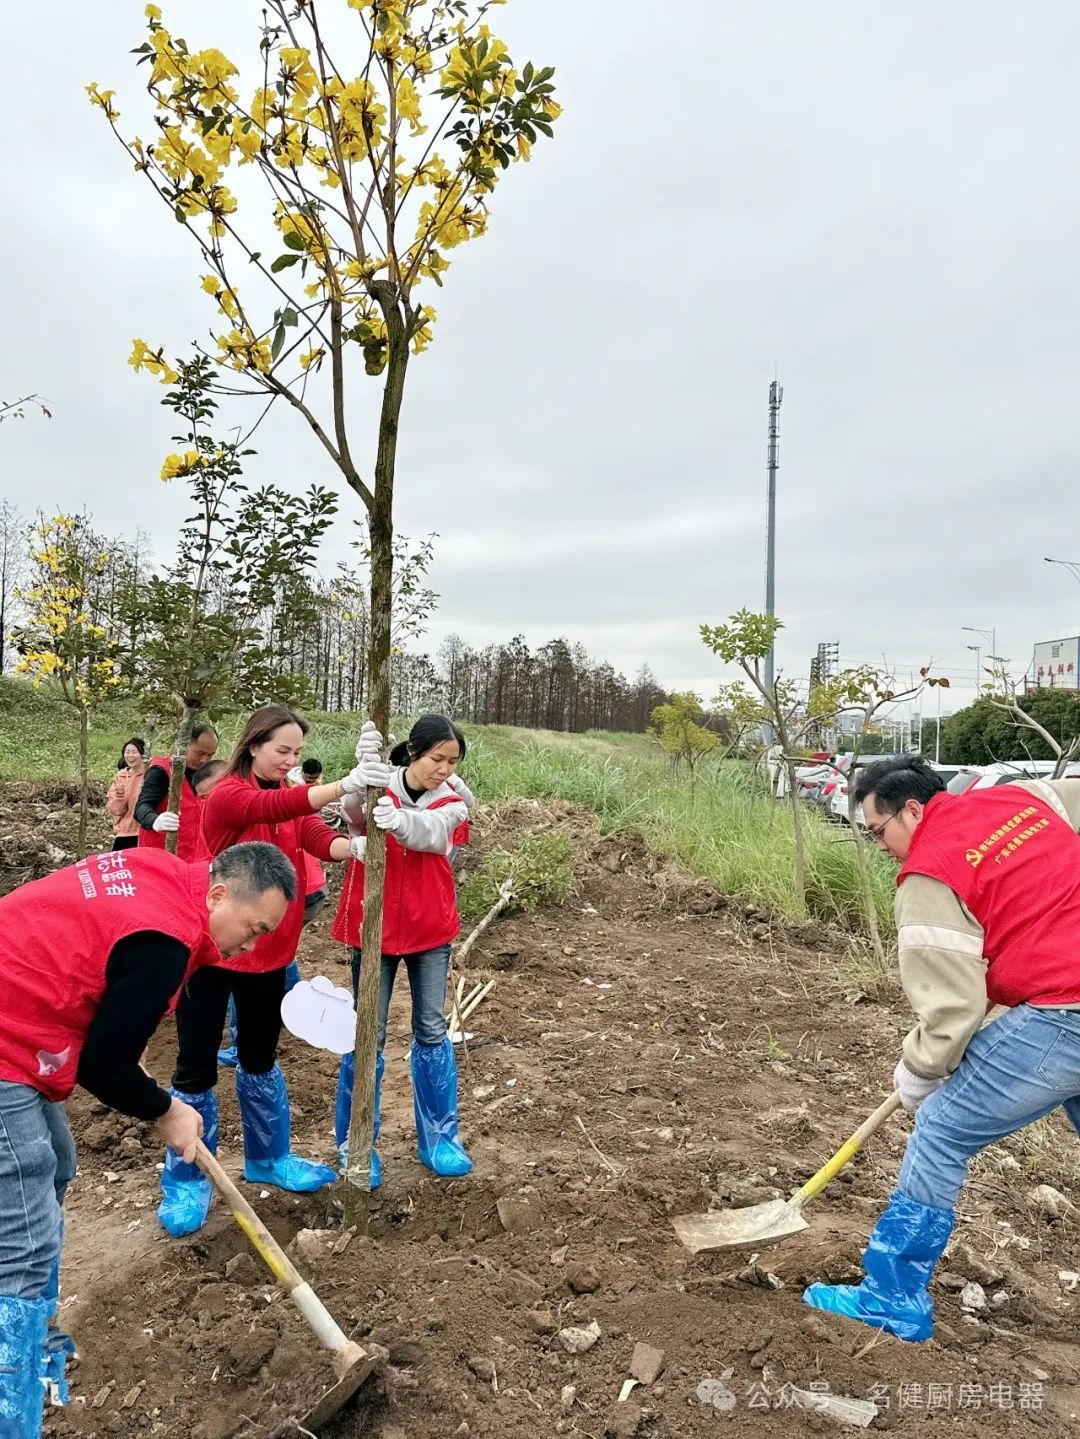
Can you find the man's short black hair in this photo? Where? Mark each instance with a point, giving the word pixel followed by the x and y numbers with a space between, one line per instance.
pixel 254 868
pixel 311 766
pixel 893 782
pixel 207 771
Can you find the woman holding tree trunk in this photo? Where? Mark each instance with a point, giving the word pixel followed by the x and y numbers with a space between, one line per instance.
pixel 423 814
pixel 252 800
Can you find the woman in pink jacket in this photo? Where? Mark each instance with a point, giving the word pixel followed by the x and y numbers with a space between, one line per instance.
pixel 124 794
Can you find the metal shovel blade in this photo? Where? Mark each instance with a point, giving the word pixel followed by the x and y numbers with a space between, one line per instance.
pixel 354 1366
pixel 749 1228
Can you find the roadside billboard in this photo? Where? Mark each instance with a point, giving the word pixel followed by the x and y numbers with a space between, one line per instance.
pixel 1056 663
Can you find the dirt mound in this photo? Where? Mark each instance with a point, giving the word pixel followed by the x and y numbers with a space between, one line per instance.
pixel 636 1059
pixel 39 827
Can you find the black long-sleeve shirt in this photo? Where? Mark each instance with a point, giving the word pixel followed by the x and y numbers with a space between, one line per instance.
pixel 155 790
pixel 143 973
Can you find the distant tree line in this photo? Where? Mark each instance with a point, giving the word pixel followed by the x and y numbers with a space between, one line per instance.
pixel 312 635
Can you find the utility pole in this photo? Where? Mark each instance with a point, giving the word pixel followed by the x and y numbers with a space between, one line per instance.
pixel 937 740
pixel 991 635
pixel 776 397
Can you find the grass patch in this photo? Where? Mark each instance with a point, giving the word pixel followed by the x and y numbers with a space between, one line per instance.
pixel 724 826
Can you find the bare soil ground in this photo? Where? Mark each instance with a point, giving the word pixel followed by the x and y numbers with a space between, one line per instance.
pixel 650 1047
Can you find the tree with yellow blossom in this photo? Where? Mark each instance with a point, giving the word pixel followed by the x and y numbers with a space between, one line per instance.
pixel 239 548
pixel 62 639
pixel 376 132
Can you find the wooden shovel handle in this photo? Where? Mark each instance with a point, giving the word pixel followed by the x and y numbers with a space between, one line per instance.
pixel 847 1151
pixel 269 1250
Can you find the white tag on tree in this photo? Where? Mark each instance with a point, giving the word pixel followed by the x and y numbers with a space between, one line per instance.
pixel 320 1014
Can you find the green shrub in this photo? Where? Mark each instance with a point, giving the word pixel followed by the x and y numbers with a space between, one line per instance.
pixel 539 869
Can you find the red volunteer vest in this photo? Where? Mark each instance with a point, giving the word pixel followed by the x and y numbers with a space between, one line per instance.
pixel 1015 863
pixel 419 901
pixel 56 936
pixel 278 948
pixel 191 845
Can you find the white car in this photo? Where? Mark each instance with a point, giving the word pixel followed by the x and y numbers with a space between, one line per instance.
pixel 1010 772
pixel 838 800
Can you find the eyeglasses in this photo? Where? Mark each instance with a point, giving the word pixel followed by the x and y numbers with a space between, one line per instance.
pixel 877 831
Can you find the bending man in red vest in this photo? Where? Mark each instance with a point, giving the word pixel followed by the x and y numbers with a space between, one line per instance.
pixel 987 913
pixel 155 821
pixel 91 959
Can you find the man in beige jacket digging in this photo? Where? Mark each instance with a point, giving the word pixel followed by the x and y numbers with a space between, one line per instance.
pixel 987 913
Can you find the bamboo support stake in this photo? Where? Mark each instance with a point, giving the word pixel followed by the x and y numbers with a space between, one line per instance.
pixel 506 894
pixel 468 1008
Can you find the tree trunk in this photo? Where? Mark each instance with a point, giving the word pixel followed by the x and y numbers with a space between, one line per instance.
pixel 84 777
pixel 179 764
pixel 869 906
pixel 381 532
pixel 796 815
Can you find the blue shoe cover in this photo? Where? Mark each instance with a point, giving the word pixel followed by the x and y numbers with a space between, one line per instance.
pixel 907 1242
pixel 23 1324
pixel 264 1115
pixel 59 1347
pixel 343 1113
pixel 434 1077
pixel 186 1192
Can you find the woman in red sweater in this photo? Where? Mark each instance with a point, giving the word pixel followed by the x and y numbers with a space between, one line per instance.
pixel 251 801
pixel 424 808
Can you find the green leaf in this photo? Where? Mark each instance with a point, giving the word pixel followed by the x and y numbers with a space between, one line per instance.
pixel 293 240
pixel 289 316
pixel 279 340
pixel 283 262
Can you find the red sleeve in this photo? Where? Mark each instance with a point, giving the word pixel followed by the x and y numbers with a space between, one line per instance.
pixel 238 806
pixel 316 836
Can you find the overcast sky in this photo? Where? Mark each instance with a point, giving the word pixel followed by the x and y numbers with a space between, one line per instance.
pixel 877 200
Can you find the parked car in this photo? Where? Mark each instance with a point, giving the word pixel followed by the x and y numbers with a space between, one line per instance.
pixel 965 776
pixel 838 797
pixel 1009 772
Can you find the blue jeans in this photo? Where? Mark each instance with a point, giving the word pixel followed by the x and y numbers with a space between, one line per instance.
pixel 37 1163
pixel 1016 1070
pixel 428 973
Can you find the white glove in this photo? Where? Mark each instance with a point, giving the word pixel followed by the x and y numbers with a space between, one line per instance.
pixel 374 773
pixel 353 782
pixel 358 847
pixel 370 741
pixel 913 1087
pixel 167 822
pixel 295 776
pixel 387 815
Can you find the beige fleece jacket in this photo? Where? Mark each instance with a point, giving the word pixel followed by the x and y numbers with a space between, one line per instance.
pixel 942 967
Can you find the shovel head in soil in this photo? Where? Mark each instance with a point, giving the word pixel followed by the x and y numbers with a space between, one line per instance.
pixel 352 1362
pixel 741 1228
pixel 778 1219
pixel 353 1365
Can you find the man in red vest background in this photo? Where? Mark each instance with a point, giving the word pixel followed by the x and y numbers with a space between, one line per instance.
pixel 987 913
pixel 155 821
pixel 91 959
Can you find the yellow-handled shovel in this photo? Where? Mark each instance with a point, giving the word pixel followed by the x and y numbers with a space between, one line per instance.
pixel 778 1219
pixel 352 1362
